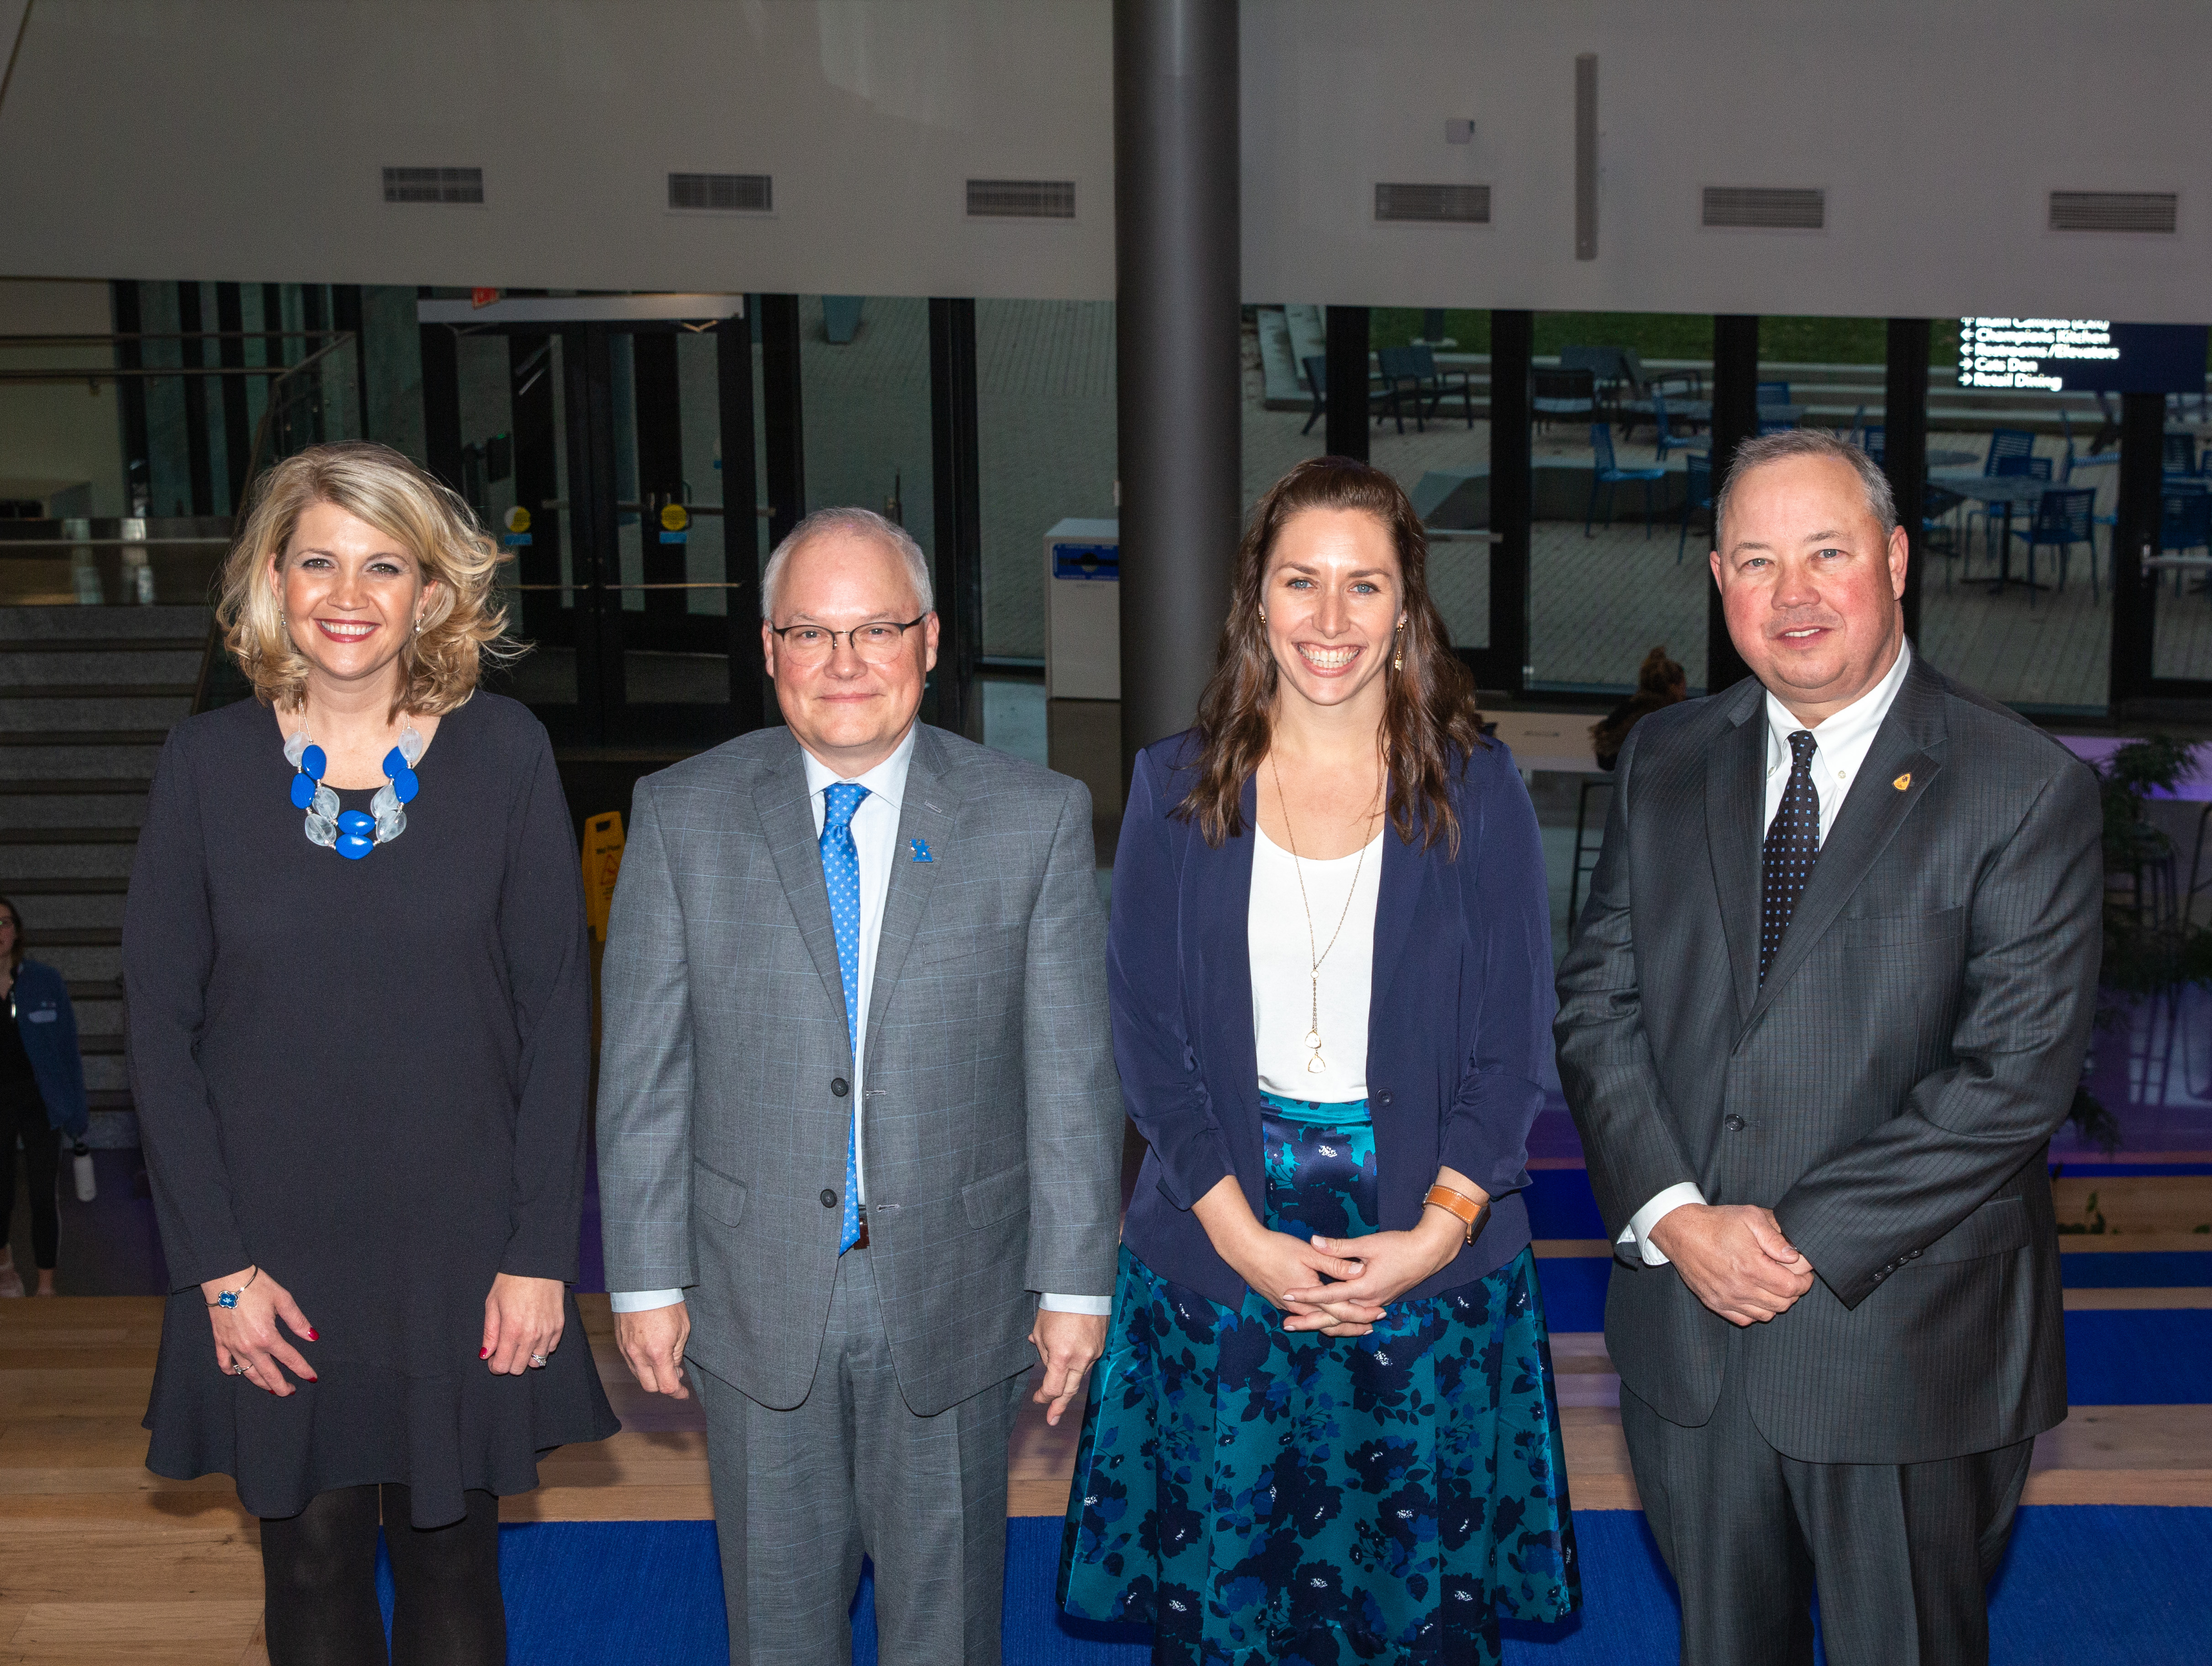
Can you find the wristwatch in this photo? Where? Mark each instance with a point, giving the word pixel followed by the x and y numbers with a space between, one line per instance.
pixel 1471 1214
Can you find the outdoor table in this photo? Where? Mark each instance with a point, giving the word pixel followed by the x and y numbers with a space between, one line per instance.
pixel 1999 491
pixel 1952 459
pixel 1701 410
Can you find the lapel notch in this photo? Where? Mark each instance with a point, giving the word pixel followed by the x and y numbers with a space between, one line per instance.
pixel 780 799
pixel 924 823
pixel 1735 769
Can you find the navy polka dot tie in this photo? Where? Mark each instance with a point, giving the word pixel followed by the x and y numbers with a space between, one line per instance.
pixel 840 870
pixel 1793 844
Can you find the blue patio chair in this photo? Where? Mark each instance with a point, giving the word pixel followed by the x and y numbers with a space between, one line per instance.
pixel 1773 393
pixel 2180 455
pixel 2185 523
pixel 1940 535
pixel 1557 395
pixel 2006 443
pixel 1775 425
pixel 1607 473
pixel 1696 494
pixel 2062 520
pixel 1667 436
pixel 1316 370
pixel 1873 441
pixel 1411 371
pixel 1316 379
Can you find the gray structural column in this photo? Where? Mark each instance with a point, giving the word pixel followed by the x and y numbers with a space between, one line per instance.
pixel 1179 397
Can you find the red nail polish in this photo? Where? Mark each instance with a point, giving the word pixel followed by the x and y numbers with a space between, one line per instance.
pixel 483 1354
pixel 314 1336
pixel 314 1379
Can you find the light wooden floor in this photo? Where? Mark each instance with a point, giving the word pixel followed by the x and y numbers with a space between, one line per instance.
pixel 102 1561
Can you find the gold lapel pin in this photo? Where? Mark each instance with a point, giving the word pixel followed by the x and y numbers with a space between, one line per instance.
pixel 1903 781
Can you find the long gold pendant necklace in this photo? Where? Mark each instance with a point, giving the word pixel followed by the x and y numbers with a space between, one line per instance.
pixel 1316 1064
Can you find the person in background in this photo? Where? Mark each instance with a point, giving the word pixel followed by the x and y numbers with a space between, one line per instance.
pixel 1660 683
pixel 359 1027
pixel 1326 1428
pixel 41 1098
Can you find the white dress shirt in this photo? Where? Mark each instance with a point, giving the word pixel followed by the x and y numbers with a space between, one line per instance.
pixel 875 826
pixel 1840 743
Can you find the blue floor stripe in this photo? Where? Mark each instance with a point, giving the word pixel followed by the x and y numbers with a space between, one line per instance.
pixel 2083 1586
pixel 2138 1269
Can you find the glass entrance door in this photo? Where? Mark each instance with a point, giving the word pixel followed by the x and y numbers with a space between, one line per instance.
pixel 609 442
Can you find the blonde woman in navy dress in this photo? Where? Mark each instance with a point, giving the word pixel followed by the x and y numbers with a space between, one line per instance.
pixel 1324 1429
pixel 359 1025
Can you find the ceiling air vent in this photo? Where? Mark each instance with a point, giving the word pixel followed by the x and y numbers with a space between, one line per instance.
pixel 728 193
pixel 1021 199
pixel 434 185
pixel 2114 210
pixel 1465 205
pixel 1765 208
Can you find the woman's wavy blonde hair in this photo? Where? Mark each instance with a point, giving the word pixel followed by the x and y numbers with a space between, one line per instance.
pixel 463 625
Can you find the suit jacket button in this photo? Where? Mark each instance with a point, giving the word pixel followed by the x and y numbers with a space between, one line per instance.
pixel 1733 1124
pixel 839 1086
pixel 828 1198
pixel 1383 1098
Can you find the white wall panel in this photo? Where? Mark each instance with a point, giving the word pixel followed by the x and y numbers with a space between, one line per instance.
pixel 1936 130
pixel 244 140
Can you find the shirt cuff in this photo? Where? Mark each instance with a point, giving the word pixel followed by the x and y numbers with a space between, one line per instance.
pixel 1636 1237
pixel 642 1301
pixel 1096 1307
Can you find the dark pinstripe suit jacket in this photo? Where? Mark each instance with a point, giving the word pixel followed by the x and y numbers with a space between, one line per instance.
pixel 994 1121
pixel 1889 1090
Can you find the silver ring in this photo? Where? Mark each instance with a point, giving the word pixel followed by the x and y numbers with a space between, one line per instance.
pixel 240 1371
pixel 537 1360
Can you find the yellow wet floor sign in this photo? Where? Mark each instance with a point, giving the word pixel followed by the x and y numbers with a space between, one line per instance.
pixel 603 853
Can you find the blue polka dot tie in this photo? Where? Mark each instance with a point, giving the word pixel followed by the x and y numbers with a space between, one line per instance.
pixel 1793 844
pixel 841 868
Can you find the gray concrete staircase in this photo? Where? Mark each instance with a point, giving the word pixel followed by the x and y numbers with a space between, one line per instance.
pixel 87 695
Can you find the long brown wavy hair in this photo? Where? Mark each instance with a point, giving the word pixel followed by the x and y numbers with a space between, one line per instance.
pixel 1429 723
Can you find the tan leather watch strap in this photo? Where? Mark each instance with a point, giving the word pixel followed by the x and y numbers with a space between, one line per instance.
pixel 1471 1214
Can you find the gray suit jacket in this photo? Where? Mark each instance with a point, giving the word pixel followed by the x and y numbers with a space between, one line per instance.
pixel 994 1120
pixel 1889 1092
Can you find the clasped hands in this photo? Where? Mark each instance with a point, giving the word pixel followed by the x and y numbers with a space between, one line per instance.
pixel 1736 1258
pixel 1338 1286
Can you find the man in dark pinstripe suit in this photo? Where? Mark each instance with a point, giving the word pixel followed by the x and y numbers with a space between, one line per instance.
pixel 1827 1003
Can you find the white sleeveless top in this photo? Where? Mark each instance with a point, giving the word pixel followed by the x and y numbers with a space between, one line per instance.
pixel 1282 992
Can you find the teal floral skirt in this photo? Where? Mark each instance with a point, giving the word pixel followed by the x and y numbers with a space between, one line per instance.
pixel 1256 1494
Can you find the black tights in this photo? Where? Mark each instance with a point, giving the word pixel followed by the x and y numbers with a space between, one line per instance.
pixel 320 1570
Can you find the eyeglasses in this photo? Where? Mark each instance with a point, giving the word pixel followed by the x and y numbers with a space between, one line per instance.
pixel 877 643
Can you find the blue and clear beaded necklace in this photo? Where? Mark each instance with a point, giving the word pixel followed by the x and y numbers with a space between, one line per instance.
pixel 354 833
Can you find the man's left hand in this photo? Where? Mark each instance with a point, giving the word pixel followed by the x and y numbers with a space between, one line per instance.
pixel 1069 1343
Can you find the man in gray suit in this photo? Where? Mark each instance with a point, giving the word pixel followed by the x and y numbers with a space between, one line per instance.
pixel 859 1133
pixel 1828 1005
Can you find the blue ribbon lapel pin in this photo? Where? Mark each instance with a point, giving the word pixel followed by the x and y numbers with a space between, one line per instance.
pixel 920 851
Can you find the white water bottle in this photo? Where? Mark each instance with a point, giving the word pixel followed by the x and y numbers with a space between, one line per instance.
pixel 87 1188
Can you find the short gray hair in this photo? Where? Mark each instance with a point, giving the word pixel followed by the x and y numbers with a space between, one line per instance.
pixel 1808 442
pixel 861 523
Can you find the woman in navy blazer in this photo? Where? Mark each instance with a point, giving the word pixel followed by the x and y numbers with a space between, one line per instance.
pixel 1325 1426
pixel 41 1097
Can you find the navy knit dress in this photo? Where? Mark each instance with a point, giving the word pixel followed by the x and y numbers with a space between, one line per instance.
pixel 369 1080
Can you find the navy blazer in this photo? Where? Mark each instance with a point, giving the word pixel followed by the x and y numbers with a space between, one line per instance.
pixel 1457 1024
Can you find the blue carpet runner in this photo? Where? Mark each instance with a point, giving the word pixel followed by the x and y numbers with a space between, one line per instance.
pixel 2084 1585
